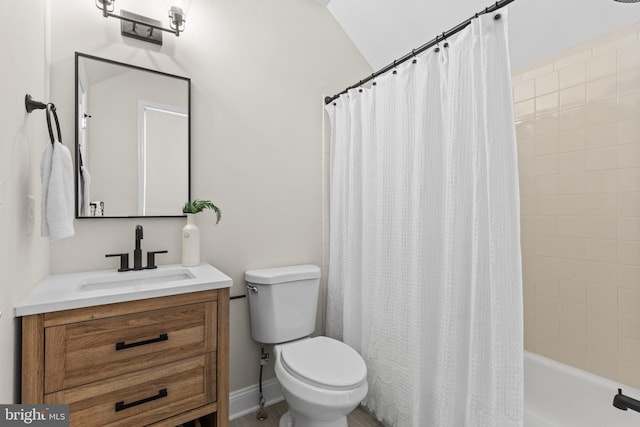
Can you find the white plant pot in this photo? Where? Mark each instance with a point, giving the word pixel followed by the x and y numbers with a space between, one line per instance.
pixel 190 243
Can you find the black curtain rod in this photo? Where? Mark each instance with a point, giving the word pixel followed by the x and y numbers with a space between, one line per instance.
pixel 439 38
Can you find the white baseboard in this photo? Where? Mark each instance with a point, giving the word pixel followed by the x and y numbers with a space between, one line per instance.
pixel 245 400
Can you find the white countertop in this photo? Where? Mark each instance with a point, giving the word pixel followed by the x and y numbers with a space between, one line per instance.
pixel 85 289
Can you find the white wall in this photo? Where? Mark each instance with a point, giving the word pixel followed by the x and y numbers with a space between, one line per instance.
pixel 385 30
pixel 259 71
pixel 24 258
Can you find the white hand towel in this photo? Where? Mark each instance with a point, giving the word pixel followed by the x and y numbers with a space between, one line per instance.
pixel 56 168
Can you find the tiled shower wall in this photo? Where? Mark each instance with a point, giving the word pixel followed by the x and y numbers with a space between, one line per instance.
pixel 578 129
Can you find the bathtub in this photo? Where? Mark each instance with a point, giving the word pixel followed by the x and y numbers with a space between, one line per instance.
pixel 562 396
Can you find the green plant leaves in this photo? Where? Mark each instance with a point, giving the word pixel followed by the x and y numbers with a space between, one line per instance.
pixel 197 206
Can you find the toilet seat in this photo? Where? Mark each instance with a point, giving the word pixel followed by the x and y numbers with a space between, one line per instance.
pixel 325 363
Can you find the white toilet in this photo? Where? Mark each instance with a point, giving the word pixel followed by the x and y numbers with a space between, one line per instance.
pixel 322 379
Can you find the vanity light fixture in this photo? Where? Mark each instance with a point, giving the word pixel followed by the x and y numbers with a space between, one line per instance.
pixel 144 28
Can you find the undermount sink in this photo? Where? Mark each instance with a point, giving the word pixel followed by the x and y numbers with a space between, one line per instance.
pixel 136 279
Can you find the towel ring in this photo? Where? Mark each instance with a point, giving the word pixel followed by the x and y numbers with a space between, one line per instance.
pixel 31 104
pixel 52 109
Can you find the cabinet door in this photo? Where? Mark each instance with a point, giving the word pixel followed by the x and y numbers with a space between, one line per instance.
pixel 84 352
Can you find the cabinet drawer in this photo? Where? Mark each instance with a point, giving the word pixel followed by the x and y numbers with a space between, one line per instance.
pixel 84 352
pixel 143 397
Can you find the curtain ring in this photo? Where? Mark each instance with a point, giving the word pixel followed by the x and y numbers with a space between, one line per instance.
pixel 444 38
pixel 394 67
pixel 413 52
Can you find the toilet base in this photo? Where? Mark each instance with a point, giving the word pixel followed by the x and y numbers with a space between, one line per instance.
pixel 285 420
pixel 304 421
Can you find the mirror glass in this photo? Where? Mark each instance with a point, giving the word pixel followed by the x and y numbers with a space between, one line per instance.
pixel 132 140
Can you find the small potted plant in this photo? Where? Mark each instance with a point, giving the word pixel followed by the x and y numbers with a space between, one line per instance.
pixel 198 206
pixel 191 232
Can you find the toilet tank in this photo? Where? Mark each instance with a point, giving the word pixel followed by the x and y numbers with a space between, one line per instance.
pixel 283 302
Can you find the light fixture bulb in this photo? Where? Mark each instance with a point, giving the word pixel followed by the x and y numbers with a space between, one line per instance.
pixel 105 5
pixel 178 10
pixel 184 5
pixel 177 16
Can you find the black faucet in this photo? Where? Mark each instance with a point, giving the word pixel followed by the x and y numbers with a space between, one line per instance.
pixel 623 402
pixel 137 252
pixel 137 255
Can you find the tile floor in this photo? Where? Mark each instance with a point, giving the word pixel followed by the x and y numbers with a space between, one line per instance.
pixel 358 418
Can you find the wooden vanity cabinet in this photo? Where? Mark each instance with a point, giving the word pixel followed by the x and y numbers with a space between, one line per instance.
pixel 153 362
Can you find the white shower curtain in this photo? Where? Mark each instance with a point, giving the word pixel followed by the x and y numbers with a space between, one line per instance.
pixel 424 268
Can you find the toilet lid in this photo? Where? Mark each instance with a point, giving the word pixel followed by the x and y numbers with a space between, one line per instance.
pixel 324 362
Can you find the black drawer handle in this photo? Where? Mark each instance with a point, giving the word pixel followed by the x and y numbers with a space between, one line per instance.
pixel 121 405
pixel 121 345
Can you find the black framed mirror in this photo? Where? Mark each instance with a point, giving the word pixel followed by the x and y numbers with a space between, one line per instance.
pixel 133 140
